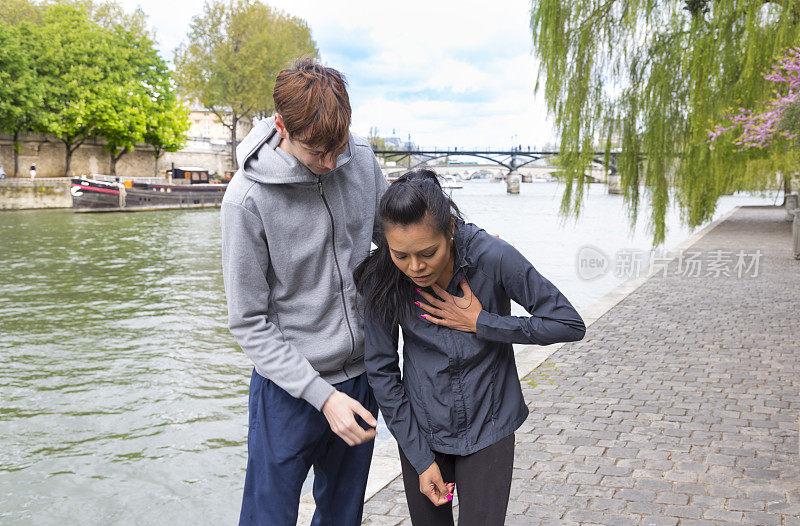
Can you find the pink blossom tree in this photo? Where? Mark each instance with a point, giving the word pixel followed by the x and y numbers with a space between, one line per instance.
pixel 776 119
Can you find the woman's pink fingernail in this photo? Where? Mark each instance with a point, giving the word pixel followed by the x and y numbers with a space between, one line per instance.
pixel 418 291
pixel 416 303
pixel 449 497
pixel 422 316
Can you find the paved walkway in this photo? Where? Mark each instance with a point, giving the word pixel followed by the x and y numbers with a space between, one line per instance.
pixel 679 407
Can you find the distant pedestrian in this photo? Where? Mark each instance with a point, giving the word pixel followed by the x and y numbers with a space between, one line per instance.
pixel 2 172
pixel 33 171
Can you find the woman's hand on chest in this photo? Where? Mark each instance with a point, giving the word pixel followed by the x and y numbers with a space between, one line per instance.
pixel 459 313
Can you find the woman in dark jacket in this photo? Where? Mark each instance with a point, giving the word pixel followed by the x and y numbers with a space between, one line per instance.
pixel 449 285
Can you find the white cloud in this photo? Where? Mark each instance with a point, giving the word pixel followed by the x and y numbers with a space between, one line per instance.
pixel 450 73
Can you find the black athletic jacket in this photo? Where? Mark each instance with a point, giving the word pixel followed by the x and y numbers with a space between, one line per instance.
pixel 460 391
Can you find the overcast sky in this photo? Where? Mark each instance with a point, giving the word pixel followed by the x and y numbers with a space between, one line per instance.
pixel 449 73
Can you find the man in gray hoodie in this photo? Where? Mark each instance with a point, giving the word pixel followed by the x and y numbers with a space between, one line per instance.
pixel 297 218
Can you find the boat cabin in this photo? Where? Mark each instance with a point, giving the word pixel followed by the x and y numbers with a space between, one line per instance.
pixel 191 174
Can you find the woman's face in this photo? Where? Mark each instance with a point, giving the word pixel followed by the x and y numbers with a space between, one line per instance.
pixel 421 252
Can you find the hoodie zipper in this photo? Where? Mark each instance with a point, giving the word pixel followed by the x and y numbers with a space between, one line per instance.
pixel 339 270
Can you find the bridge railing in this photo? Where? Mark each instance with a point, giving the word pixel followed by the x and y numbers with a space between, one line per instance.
pixel 487 151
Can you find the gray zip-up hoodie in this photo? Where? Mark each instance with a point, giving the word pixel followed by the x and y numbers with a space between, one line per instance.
pixel 290 242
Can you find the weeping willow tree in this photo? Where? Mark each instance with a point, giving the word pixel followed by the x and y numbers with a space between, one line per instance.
pixel 648 80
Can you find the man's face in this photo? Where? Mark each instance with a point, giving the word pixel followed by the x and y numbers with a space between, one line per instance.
pixel 311 157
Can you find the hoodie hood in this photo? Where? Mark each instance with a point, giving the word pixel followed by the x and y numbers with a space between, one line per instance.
pixel 260 161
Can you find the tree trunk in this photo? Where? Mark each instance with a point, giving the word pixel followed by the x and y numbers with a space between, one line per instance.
pixel 71 146
pixel 234 122
pixel 16 153
pixel 68 161
pixel 156 155
pixel 115 159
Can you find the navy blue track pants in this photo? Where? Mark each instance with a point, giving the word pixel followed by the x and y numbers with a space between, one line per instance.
pixel 287 436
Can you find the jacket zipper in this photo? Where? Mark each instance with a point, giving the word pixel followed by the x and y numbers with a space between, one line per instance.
pixel 461 395
pixel 339 270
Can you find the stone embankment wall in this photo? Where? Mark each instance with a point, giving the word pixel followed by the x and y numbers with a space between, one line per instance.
pixel 49 156
pixel 19 194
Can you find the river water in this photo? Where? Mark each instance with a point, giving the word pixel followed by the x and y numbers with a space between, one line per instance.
pixel 124 398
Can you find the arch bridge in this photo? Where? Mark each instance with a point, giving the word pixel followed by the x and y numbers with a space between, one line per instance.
pixel 512 159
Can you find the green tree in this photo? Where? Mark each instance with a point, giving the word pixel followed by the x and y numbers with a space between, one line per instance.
pixel 167 127
pixel 657 76
pixel 121 114
pixel 20 88
pixel 231 55
pixel 75 66
pixel 140 103
pixel 16 12
pixel 82 68
pixel 111 16
pixel 105 79
pixel 134 95
pixel 790 121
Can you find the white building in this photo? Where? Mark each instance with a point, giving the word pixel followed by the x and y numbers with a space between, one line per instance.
pixel 204 125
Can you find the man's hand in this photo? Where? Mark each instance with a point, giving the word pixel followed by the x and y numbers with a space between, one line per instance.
pixel 451 311
pixel 341 411
pixel 432 485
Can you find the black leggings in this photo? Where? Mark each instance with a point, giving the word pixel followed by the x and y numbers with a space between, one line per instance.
pixel 483 482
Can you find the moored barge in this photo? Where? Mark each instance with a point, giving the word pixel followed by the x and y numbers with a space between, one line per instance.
pixel 183 188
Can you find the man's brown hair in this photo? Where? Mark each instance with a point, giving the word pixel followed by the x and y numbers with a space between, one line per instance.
pixel 313 101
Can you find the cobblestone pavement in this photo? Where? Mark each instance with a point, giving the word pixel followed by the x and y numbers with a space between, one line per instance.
pixel 679 407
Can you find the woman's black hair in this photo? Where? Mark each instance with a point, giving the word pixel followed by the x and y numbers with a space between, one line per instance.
pixel 415 196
